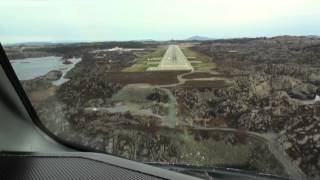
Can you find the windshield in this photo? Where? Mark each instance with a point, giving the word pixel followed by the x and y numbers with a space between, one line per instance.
pixel 231 84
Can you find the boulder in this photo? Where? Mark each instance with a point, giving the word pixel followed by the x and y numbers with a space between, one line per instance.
pixel 67 62
pixel 303 91
pixel 53 75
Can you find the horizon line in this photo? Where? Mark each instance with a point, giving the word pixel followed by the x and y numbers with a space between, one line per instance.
pixel 150 39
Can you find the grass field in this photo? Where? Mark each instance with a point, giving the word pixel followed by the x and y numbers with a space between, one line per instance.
pixel 206 64
pixel 156 55
pixel 142 62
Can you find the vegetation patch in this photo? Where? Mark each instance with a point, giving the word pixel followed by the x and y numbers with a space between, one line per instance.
pixel 206 62
pixel 142 62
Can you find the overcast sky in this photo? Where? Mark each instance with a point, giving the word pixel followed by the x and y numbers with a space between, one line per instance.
pixel 101 20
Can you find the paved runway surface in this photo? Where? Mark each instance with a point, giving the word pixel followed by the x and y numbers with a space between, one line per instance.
pixel 174 59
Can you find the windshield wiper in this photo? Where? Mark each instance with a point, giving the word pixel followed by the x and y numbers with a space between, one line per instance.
pixel 217 173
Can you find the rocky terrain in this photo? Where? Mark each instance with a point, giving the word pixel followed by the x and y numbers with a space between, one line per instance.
pixel 280 75
pixel 260 97
pixel 41 87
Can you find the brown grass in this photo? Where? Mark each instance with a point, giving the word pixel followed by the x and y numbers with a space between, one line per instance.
pixel 40 95
pixel 199 75
pixel 154 77
pixel 196 75
pixel 204 84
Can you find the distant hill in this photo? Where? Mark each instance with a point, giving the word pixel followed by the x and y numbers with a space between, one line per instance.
pixel 147 40
pixel 28 44
pixel 199 38
pixel 313 36
pixel 40 43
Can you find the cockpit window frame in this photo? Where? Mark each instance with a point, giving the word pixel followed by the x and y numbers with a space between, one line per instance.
pixel 13 78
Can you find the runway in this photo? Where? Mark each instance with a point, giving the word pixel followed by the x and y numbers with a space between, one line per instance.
pixel 173 60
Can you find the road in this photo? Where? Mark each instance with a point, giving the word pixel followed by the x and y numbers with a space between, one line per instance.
pixel 173 60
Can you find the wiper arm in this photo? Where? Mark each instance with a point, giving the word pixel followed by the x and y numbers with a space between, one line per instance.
pixel 217 173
